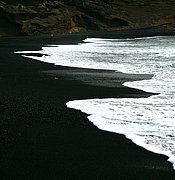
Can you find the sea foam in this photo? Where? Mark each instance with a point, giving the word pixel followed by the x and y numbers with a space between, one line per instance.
pixel 148 122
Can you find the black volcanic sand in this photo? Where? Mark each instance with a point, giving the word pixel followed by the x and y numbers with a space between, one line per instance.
pixel 42 139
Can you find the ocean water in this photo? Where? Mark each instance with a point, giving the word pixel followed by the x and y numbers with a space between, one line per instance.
pixel 148 122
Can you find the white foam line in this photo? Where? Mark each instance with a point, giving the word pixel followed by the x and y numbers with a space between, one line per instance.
pixel 96 119
pixel 121 46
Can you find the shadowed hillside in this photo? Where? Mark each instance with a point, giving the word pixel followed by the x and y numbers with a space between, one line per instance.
pixel 42 17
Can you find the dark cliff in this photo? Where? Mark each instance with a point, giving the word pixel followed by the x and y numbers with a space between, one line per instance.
pixel 40 17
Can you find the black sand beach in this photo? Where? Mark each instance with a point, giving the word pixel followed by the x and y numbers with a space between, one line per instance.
pixel 42 139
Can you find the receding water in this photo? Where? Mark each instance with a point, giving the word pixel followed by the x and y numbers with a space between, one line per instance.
pixel 148 122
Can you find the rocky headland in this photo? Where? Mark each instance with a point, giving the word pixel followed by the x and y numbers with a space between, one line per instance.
pixel 48 17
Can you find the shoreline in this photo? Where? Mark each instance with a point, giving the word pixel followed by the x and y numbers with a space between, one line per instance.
pixel 43 139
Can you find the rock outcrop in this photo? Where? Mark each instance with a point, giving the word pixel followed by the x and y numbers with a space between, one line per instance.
pixel 41 17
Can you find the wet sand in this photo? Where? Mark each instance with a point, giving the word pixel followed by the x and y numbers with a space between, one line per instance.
pixel 40 138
